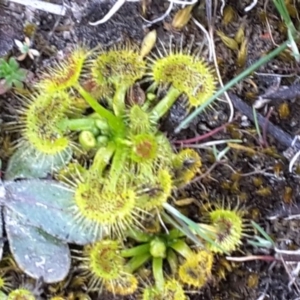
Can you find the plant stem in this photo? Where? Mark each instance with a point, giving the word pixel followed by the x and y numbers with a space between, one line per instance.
pixel 102 158
pixel 172 260
pixel 137 261
pixel 136 251
pixel 254 113
pixel 157 269
pixel 165 104
pixel 114 122
pixel 119 100
pixel 182 248
pixel 76 124
pixel 138 235
pixel 174 234
pixel 232 82
pixel 118 164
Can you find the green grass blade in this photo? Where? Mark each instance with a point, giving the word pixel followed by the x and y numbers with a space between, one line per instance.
pixel 231 83
pixel 256 123
pixel 262 232
pixel 183 228
pixel 203 233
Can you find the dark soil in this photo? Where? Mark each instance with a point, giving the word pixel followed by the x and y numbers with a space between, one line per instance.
pixel 258 181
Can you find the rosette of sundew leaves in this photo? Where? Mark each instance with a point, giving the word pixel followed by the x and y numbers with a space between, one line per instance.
pixel 170 248
pixel 48 136
pixel 39 225
pixel 125 140
pixel 106 197
pixel 109 265
pixel 103 199
pixel 133 145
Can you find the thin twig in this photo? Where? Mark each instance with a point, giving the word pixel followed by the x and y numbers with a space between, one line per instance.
pixel 111 12
pixel 161 18
pixel 252 257
pixel 201 137
pixel 292 279
pixel 210 42
pixel 208 171
pixel 211 33
pixel 268 23
pixel 251 5
pixel 211 143
pixel 295 157
pixel 212 54
pixel 42 5
pixel 182 2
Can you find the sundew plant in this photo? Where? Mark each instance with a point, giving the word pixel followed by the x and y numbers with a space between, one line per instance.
pixel 93 125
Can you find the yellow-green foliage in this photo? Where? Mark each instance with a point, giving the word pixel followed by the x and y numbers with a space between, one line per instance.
pixel 188 74
pixel 123 66
pixel 97 204
pixel 157 190
pixel 104 267
pixel 66 73
pixel 102 263
pixel 130 168
pixel 5 282
pixel 126 284
pixel 41 117
pixel 172 291
pixel 85 72
pixel 21 293
pixel 186 164
pixel 196 270
pixel 133 167
pixel 228 225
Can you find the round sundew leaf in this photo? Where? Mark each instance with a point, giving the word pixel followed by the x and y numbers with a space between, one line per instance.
pixel 46 204
pixel 37 253
pixel 26 162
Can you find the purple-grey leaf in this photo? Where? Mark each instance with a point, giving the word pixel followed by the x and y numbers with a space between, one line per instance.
pixel 47 204
pixel 37 253
pixel 26 162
